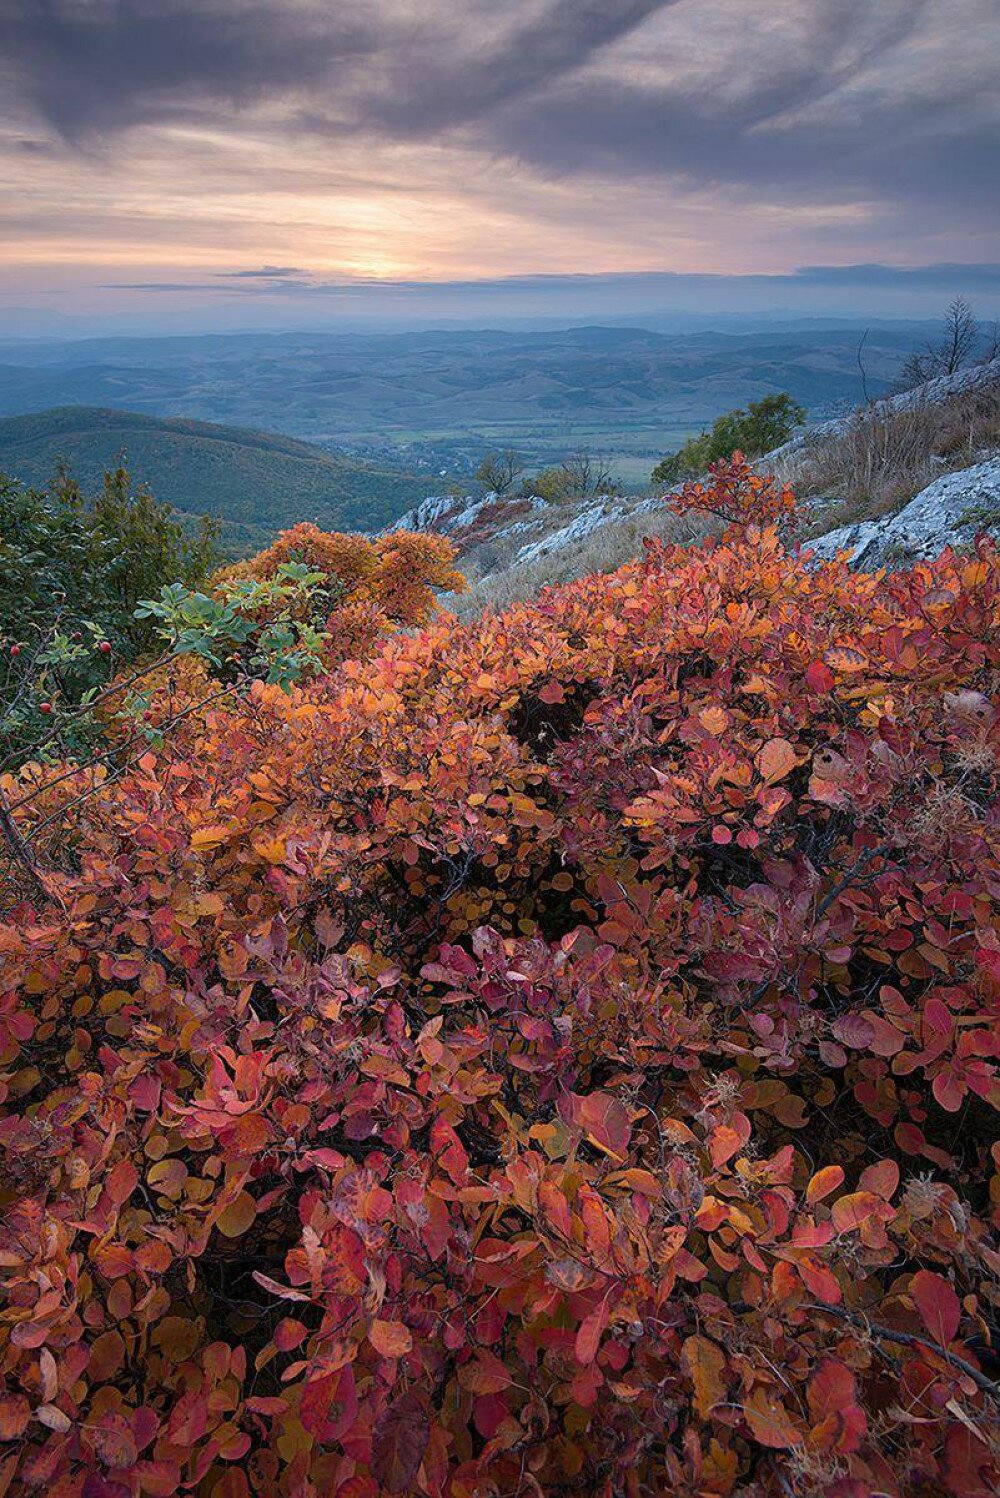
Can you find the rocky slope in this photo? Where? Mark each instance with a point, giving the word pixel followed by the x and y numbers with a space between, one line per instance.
pixel 948 512
pixel 513 545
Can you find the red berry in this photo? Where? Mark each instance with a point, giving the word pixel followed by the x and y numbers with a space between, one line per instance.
pixel 45 707
pixel 105 647
pixel 15 650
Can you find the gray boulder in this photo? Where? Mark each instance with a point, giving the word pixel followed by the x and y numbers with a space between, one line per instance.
pixel 949 512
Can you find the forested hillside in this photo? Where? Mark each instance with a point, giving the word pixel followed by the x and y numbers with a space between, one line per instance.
pixel 254 483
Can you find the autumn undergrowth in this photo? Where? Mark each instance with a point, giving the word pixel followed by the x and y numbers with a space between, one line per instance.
pixel 548 1055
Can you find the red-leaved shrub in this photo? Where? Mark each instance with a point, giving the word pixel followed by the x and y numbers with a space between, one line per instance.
pixel 555 1056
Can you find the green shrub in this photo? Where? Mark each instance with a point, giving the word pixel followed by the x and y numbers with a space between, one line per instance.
pixel 72 573
pixel 765 424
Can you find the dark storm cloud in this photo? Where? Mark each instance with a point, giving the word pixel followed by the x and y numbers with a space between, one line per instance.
pixel 537 82
pixel 95 65
pixel 886 145
pixel 558 40
pixel 889 151
pixel 100 65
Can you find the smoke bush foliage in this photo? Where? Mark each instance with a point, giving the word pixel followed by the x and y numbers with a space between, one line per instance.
pixel 555 1055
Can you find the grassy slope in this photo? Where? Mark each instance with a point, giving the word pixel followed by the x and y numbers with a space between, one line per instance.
pixel 255 482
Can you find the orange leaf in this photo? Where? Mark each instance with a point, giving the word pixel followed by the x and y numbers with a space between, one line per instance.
pixel 776 760
pixel 850 1212
pixel 209 837
pixel 390 1338
pixel 823 1182
pixel 704 1363
pixel 770 1422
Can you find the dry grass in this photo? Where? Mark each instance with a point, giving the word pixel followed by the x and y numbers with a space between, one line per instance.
pixel 881 458
pixel 872 466
pixel 604 550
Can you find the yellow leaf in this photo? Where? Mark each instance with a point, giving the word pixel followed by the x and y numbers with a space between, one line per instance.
pixel 238 1216
pixel 209 837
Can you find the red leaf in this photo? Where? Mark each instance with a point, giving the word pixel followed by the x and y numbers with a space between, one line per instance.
pixel 329 1405
pixel 949 1090
pixel 882 1178
pixel 231 1484
pixel 602 1117
pixel 15 1412
pixel 122 1181
pixel 399 1441
pixel 854 1031
pixel 819 677
pixel 590 1331
pixel 940 1308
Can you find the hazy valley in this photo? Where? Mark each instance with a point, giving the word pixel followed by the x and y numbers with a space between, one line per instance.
pixel 431 402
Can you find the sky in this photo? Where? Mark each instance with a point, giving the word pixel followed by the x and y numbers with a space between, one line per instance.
pixel 265 163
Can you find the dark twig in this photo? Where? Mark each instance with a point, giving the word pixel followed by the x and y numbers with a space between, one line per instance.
pixel 851 877
pixel 910 1339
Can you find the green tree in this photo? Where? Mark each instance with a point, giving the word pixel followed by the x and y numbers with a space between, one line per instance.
pixel 763 425
pixel 72 573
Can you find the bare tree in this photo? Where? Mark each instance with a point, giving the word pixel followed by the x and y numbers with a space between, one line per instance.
pixel 960 337
pixel 587 474
pixel 861 366
pixel 498 471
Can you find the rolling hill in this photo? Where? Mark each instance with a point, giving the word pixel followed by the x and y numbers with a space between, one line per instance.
pixel 439 398
pixel 254 483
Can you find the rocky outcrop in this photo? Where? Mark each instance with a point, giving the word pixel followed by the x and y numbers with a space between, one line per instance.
pixel 449 513
pixel 593 517
pixel 948 512
pixel 932 392
pixel 496 533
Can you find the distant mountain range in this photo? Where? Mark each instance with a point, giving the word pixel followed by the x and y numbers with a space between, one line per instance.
pixel 255 483
pixel 436 399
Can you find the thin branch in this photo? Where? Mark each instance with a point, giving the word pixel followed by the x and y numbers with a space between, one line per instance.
pixel 23 854
pixel 910 1339
pixel 864 858
pixel 82 709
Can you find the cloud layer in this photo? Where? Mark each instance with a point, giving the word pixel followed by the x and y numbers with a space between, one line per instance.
pixel 452 138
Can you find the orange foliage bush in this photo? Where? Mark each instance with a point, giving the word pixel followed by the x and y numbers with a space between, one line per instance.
pixel 557 1056
pixel 737 494
pixel 398 572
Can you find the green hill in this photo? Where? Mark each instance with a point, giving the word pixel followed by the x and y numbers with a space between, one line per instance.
pixel 255 483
